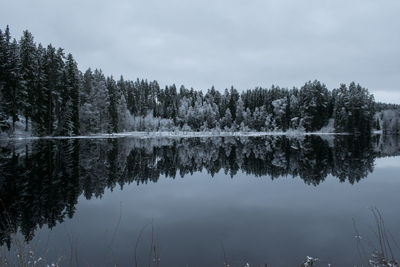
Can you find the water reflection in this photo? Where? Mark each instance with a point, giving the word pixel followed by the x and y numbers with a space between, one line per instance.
pixel 41 181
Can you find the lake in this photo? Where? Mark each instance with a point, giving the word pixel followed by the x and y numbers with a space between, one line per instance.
pixel 199 201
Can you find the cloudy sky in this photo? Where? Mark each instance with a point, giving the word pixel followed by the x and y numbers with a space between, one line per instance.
pixel 245 43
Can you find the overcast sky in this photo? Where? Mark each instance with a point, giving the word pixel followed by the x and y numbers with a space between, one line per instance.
pixel 244 43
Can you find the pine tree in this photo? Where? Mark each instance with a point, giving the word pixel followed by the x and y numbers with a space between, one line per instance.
pixel 64 113
pixel 27 49
pixel 113 106
pixel 39 94
pixel 226 121
pixel 314 100
pixel 361 109
pixel 86 86
pixel 10 78
pixel 95 112
pixel 54 66
pixel 4 124
pixel 233 99
pixel 340 114
pixel 73 85
pixel 239 111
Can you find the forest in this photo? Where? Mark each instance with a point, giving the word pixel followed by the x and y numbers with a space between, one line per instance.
pixel 43 93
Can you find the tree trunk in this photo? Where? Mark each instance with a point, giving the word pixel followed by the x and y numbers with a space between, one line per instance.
pixel 26 123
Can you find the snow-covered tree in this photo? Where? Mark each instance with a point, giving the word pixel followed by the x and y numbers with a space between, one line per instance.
pixel 40 94
pixel 54 68
pixel 239 111
pixel 27 49
pixel 314 100
pixel 73 87
pixel 10 77
pixel 226 121
pixel 279 114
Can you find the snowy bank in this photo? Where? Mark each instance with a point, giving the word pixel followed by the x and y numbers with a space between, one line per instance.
pixel 175 134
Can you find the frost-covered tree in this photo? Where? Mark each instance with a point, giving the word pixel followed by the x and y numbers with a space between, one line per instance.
pixel 4 123
pixel 54 68
pixel 73 87
pixel 314 100
pixel 27 50
pixel 226 121
pixel 94 112
pixel 124 117
pixel 40 94
pixel 210 115
pixel 10 77
pixel 353 109
pixel 239 112
pixel 113 97
pixel 87 84
pixel 259 119
pixel 390 121
pixel 280 113
pixel 64 114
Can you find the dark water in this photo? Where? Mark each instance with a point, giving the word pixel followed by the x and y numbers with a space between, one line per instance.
pixel 199 201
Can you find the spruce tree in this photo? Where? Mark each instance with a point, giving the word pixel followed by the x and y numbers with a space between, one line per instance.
pixel 27 49
pixel 340 113
pixel 64 113
pixel 87 85
pixel 113 103
pixel 314 100
pixel 54 66
pixel 4 124
pixel 10 78
pixel 39 94
pixel 73 85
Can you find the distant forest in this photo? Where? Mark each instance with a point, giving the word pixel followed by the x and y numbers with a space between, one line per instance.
pixel 43 92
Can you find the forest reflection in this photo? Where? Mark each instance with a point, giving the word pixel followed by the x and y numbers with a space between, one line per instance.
pixel 41 180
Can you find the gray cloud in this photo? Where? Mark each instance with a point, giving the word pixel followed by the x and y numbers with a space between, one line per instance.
pixel 226 42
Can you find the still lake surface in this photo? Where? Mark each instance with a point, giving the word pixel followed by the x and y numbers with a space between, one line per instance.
pixel 200 201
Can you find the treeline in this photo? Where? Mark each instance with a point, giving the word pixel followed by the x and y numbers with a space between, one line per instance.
pixel 44 88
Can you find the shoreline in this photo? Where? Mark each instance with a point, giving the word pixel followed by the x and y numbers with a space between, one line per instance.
pixel 179 134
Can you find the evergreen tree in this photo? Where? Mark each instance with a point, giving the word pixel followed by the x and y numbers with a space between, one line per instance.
pixel 40 94
pixel 87 86
pixel 54 68
pixel 64 114
pixel 10 78
pixel 226 121
pixel 113 106
pixel 73 87
pixel 361 109
pixel 4 124
pixel 340 113
pixel 239 111
pixel 94 113
pixel 233 100
pixel 27 49
pixel 314 100
pixel 353 109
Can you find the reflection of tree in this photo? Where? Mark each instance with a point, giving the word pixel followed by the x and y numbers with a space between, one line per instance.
pixel 41 186
pixel 353 158
pixel 40 183
pixel 314 159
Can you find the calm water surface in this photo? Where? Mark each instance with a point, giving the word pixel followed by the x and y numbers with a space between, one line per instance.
pixel 271 200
